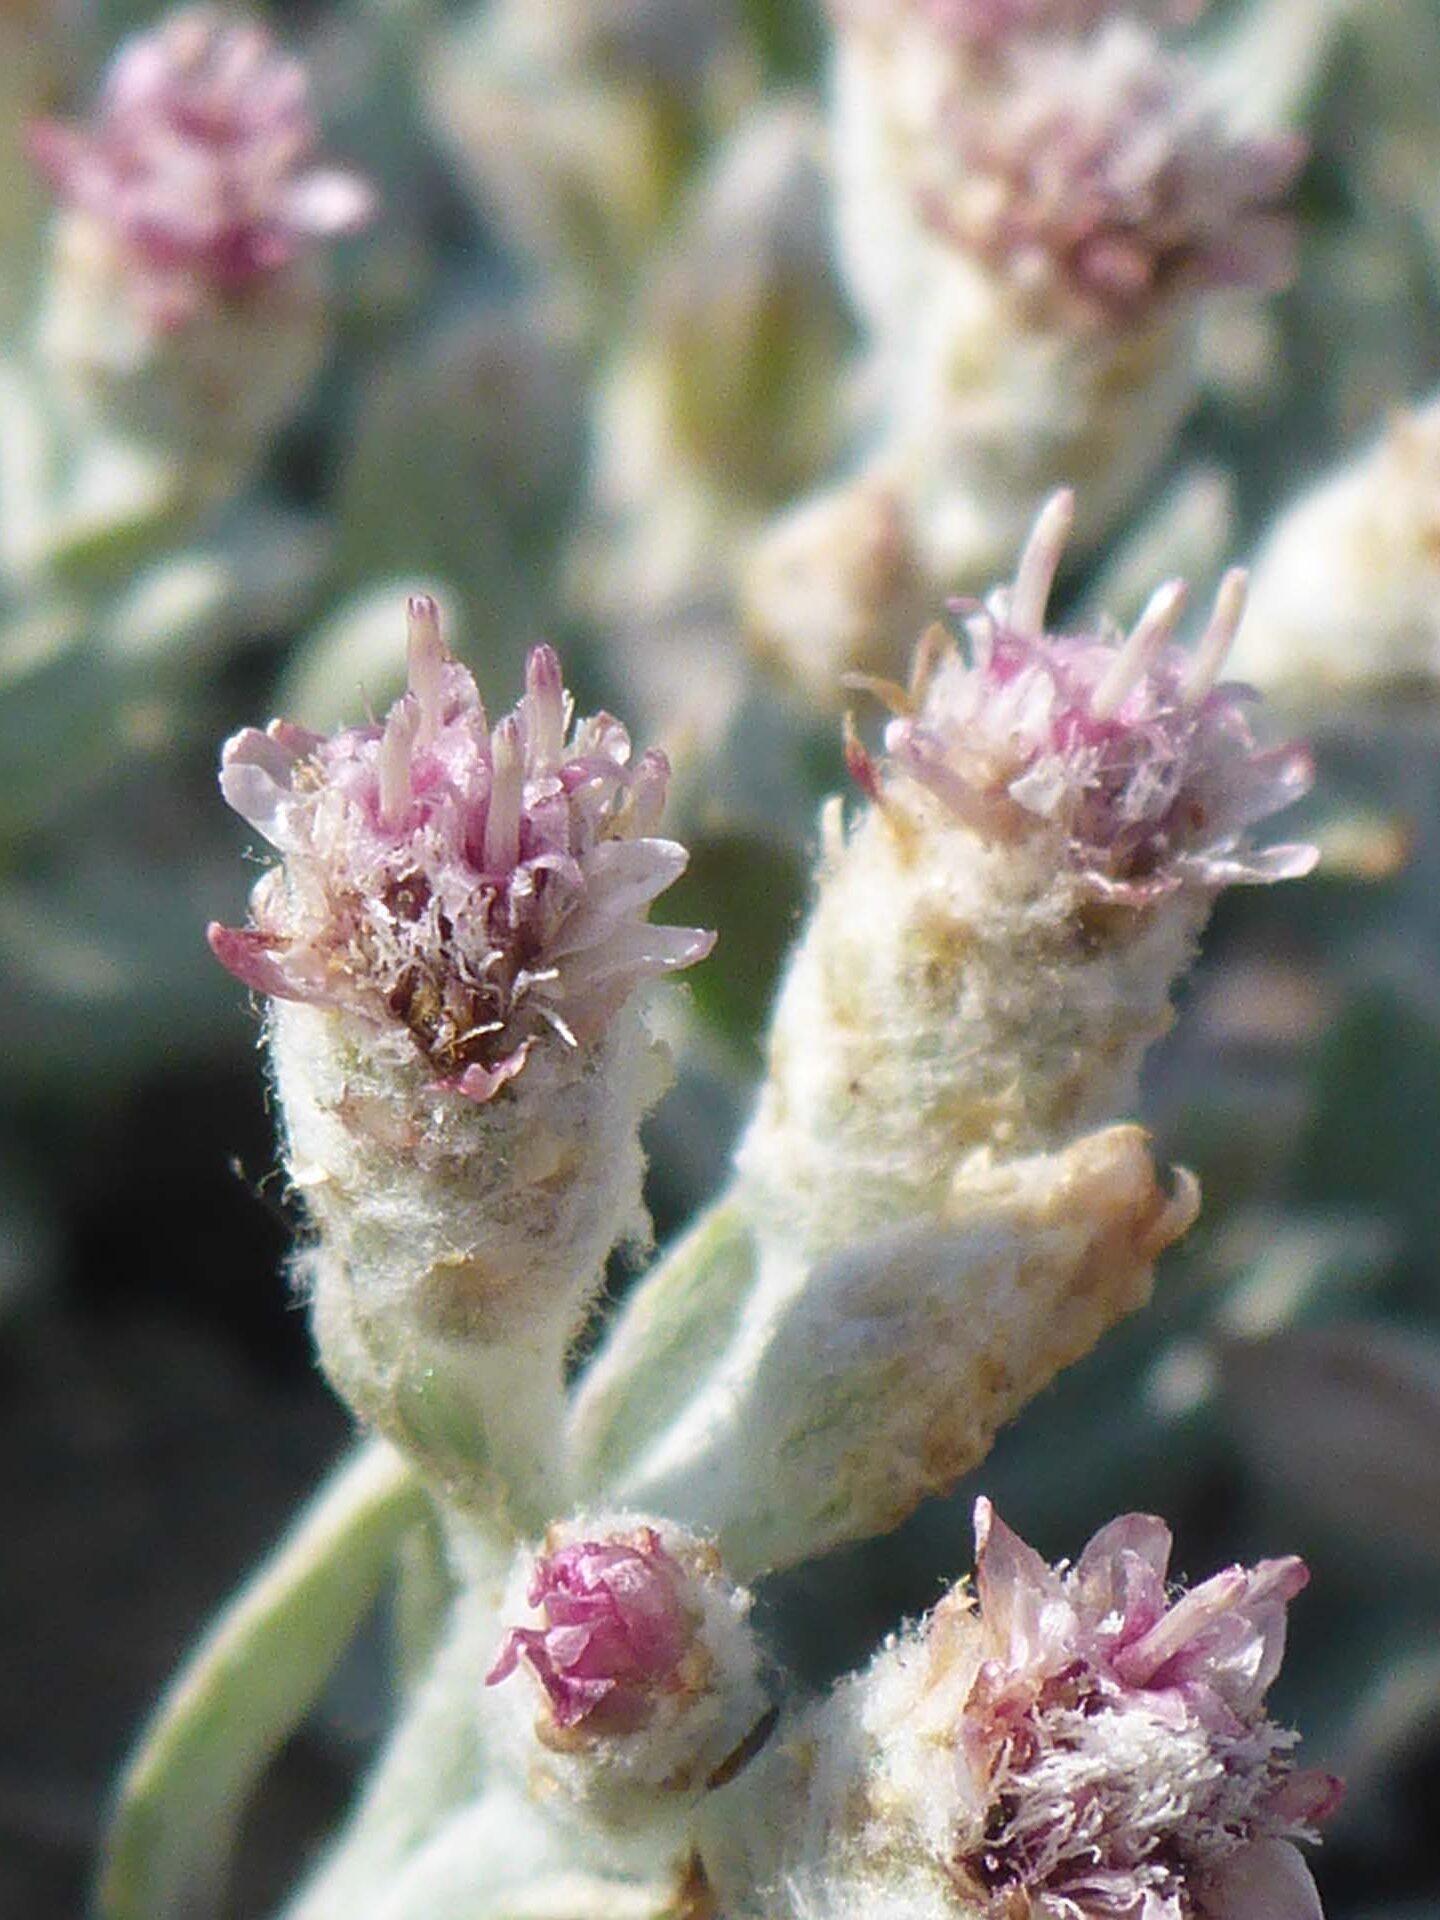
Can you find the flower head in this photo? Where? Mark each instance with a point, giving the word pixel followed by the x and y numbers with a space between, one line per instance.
pixel 1125 746
pixel 616 1631
pixel 485 889
pixel 1115 1739
pixel 1098 176
pixel 197 160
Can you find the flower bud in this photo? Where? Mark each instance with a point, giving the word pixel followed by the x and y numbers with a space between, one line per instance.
pixel 451 945
pixel 1067 1741
pixel 186 304
pixel 1346 594
pixel 994 941
pixel 641 1676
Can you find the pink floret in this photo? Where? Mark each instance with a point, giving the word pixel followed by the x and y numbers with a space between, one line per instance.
pixel 1125 747
pixel 485 888
pixel 198 159
pixel 615 1631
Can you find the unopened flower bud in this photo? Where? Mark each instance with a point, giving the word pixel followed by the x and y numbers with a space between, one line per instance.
pixel 186 302
pixel 994 941
pixel 641 1676
pixel 1345 601
pixel 1066 1741
pixel 451 945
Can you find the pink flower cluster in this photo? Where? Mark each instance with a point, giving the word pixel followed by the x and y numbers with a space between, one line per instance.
pixel 1125 746
pixel 616 1631
pixel 997 23
pixel 197 160
pixel 1098 176
pixel 1119 1736
pixel 484 888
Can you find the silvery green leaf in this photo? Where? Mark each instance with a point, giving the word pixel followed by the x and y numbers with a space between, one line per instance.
pixel 1344 1420
pixel 500 1858
pixel 1269 59
pixel 246 1687
pixel 661 1347
pixel 852 1384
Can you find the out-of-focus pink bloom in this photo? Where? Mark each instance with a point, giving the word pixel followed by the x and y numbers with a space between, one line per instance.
pixel 1098 177
pixel 1118 1734
pixel 999 22
pixel 615 1636
pixel 485 888
pixel 996 26
pixel 197 160
pixel 1126 746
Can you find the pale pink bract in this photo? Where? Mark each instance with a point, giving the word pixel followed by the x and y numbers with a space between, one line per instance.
pixel 198 160
pixel 486 889
pixel 615 1634
pixel 1118 1734
pixel 1125 746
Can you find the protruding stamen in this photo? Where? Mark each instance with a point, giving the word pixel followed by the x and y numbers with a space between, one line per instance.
pixel 544 710
pixel 1039 563
pixel 425 658
pixel 393 761
pixel 1152 633
pixel 1219 636
pixel 502 820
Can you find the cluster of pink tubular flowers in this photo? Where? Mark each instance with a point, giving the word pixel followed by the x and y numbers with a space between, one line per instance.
pixel 1127 746
pixel 615 1636
pixel 1117 1736
pixel 485 888
pixel 197 160
pixel 1099 178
